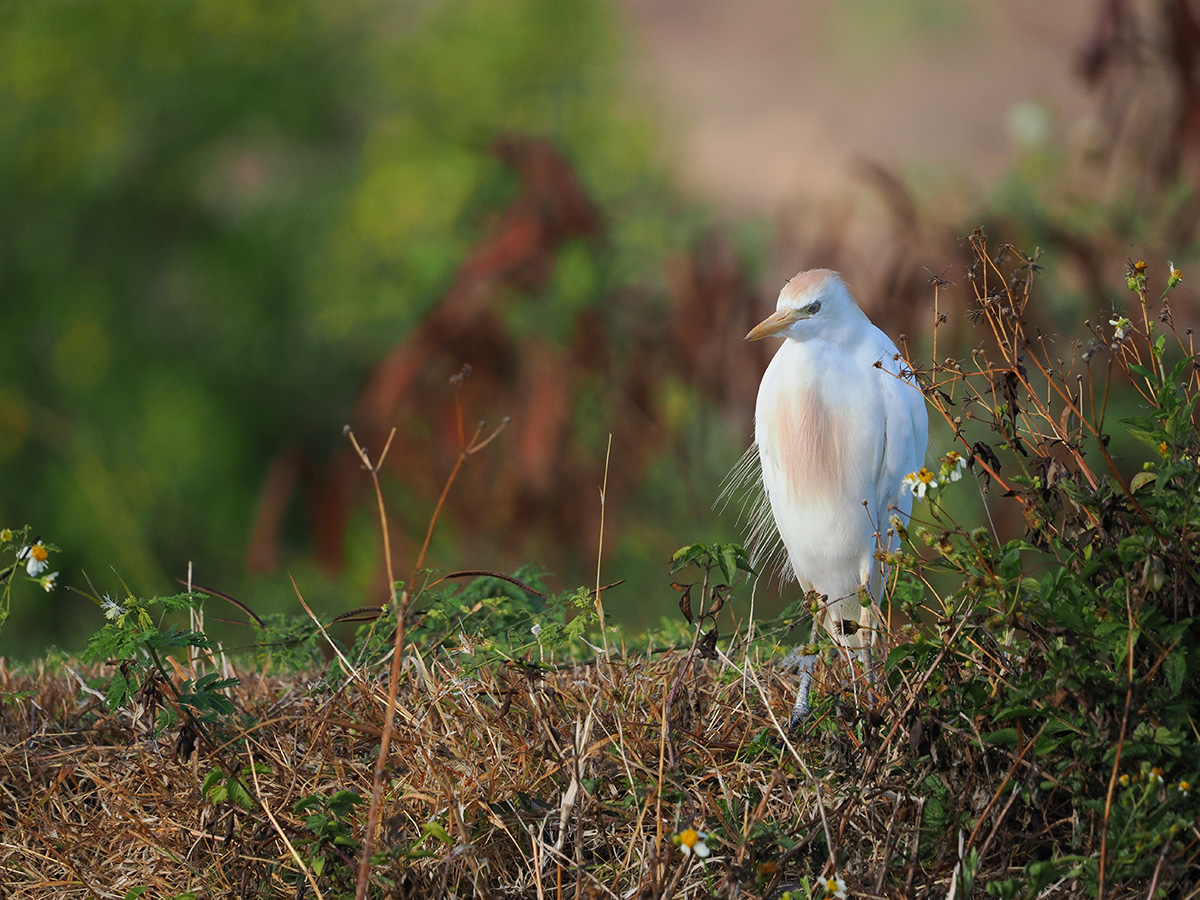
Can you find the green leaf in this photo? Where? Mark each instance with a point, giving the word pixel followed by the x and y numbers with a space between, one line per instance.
pixel 1180 368
pixel 1165 737
pixel 1180 424
pixel 1144 430
pixel 1010 564
pixel 1004 737
pixel 303 805
pixel 727 559
pixel 1138 369
pixel 210 779
pixel 1175 669
pixel 239 794
pixel 1131 550
pixel 1141 479
pixel 343 802
pixel 119 691
pixel 685 556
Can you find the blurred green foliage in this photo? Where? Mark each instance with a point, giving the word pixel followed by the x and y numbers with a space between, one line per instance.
pixel 219 214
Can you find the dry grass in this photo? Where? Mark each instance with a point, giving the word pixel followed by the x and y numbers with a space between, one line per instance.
pixel 547 783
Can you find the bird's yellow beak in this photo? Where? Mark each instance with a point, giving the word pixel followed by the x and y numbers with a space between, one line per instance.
pixel 776 322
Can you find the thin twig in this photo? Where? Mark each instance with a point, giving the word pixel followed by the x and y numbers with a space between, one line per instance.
pixel 600 551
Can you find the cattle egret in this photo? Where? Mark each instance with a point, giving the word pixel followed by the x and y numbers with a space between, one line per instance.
pixel 838 425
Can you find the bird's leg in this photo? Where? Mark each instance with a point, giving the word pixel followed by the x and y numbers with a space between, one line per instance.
pixel 824 619
pixel 871 622
pixel 801 708
pixel 806 663
pixel 866 629
pixel 845 633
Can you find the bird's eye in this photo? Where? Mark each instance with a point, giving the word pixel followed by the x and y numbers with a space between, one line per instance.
pixel 813 308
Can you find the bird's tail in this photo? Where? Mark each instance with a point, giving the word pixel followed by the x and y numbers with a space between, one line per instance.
pixel 743 486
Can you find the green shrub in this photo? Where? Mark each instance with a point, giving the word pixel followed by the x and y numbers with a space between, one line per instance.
pixel 1068 650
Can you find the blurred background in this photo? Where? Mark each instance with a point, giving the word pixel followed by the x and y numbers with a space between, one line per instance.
pixel 231 229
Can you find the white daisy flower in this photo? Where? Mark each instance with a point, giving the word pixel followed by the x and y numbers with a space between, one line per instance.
pixel 919 483
pixel 692 841
pixel 834 886
pixel 953 465
pixel 35 557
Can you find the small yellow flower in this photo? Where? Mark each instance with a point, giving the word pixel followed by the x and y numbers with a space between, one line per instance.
pixel 1156 775
pixel 1162 448
pixel 1124 779
pixel 1135 276
pixel 1185 787
pixel 1174 276
pixel 692 841
pixel 834 887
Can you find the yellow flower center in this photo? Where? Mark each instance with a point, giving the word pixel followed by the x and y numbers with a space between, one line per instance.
pixel 1139 266
pixel 39 552
pixel 925 475
pixel 1184 786
pixel 689 838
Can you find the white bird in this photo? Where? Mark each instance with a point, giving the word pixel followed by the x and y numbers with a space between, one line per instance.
pixel 838 426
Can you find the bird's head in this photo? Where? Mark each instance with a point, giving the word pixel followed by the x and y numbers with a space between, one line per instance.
pixel 811 304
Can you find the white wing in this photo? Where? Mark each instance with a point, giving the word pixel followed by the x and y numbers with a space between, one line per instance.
pixel 906 433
